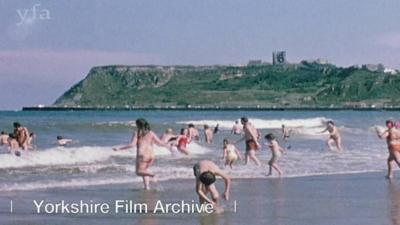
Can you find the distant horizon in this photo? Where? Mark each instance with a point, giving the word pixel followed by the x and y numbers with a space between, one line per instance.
pixel 48 46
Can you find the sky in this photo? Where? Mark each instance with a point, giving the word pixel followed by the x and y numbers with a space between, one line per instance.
pixel 46 46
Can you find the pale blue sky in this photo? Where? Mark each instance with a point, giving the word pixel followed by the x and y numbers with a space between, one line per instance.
pixel 42 58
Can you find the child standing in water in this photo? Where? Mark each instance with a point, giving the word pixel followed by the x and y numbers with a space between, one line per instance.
pixel 276 151
pixel 231 153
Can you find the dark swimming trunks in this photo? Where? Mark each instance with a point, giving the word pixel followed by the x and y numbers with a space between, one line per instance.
pixel 251 145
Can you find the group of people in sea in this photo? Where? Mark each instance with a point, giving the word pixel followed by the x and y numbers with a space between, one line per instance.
pixel 22 139
pixel 206 171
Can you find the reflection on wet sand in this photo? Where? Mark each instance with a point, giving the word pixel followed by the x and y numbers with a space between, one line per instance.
pixel 394 199
pixel 150 198
pixel 277 189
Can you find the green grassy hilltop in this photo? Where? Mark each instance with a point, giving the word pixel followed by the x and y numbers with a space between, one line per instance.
pixel 292 85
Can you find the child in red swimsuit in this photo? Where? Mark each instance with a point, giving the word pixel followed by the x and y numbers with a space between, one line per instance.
pixel 183 141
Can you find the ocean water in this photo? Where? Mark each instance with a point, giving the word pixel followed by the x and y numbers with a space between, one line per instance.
pixel 90 161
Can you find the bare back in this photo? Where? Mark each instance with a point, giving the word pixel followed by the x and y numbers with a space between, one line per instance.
pixel 250 132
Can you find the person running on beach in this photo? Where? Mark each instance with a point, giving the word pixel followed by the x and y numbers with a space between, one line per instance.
pixel 4 138
pixel 193 132
pixel 392 136
pixel 144 139
pixel 334 135
pixel 276 151
pixel 205 172
pixel 61 141
pixel 251 135
pixel 285 133
pixel 237 128
pixel 208 134
pixel 231 153
pixel 183 140
pixel 22 135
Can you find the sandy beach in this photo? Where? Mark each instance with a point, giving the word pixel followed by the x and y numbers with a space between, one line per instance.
pixel 366 198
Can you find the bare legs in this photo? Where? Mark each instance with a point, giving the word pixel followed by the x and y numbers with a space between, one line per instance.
pixel 183 150
pixel 142 170
pixel 393 156
pixel 337 141
pixel 251 154
pixel 273 165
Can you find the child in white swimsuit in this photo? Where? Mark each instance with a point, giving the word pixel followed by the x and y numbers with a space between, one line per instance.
pixel 231 153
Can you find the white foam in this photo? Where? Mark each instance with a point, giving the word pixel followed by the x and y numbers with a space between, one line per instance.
pixel 263 123
pixel 80 155
pixel 129 123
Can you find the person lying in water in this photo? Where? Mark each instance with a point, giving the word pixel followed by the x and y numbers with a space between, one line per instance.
pixel 61 141
pixel 205 173
pixel 144 139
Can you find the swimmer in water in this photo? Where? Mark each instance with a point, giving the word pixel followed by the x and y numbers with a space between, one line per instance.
pixel 276 151
pixel 61 141
pixel 334 136
pixel 183 140
pixel 392 136
pixel 144 139
pixel 231 153
pixel 205 172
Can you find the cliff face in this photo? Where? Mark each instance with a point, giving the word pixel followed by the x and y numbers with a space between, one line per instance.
pixel 302 84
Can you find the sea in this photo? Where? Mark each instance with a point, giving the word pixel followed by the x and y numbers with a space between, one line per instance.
pixel 90 160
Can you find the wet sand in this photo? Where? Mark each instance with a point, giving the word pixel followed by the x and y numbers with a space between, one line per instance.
pixel 325 200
